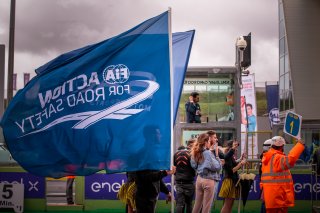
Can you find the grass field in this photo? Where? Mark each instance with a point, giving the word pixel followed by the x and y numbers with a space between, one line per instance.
pixel 108 206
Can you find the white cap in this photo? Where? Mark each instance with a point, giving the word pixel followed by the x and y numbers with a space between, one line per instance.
pixel 267 144
pixel 278 141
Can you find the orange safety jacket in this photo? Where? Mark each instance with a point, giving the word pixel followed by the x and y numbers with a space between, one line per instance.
pixel 71 176
pixel 276 180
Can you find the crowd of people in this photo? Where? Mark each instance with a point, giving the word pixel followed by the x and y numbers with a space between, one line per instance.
pixel 208 161
pixel 198 168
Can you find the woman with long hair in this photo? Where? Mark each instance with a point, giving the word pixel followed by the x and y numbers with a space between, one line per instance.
pixel 208 167
pixel 229 192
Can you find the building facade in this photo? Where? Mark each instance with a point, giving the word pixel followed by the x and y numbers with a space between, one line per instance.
pixel 299 54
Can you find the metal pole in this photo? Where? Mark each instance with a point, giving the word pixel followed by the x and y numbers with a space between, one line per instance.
pixel 11 51
pixel 171 84
pixel 2 62
pixel 238 96
pixel 247 126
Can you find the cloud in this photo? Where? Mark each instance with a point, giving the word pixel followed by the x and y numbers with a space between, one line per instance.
pixel 265 60
pixel 46 28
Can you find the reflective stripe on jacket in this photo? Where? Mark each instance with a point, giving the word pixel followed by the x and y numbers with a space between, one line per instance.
pixel 276 179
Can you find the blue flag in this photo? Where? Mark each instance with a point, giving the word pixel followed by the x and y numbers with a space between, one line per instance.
pixel 104 106
pixel 182 44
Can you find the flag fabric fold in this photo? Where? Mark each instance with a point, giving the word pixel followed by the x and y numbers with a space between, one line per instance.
pixel 182 44
pixel 103 106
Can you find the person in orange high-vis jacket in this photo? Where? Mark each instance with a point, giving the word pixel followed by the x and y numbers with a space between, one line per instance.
pixel 69 189
pixel 276 179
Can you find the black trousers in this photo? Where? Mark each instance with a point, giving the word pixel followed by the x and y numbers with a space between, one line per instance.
pixel 145 205
pixel 184 196
pixel 69 190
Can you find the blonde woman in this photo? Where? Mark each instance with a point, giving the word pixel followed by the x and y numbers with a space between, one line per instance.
pixel 208 167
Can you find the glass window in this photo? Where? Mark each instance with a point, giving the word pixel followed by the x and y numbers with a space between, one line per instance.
pixel 290 100
pixel 286 81
pixel 290 84
pixel 213 88
pixel 188 88
pixel 282 46
pixel 223 135
pixel 286 100
pixel 286 63
pixel 224 88
pixel 282 106
pixel 281 65
pixel 216 93
pixel 201 88
pixel 281 29
pixel 281 16
pixel 281 84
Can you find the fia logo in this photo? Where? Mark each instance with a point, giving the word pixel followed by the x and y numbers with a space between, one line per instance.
pixel 116 74
pixel 274 116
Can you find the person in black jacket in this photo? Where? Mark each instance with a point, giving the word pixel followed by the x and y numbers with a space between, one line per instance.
pixel 229 192
pixel 193 109
pixel 149 180
pixel 184 178
pixel 149 185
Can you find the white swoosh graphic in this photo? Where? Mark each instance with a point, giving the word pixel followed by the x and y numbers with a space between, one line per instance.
pixel 152 88
pixel 118 111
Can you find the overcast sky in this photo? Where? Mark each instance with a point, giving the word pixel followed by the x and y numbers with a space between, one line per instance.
pixel 48 28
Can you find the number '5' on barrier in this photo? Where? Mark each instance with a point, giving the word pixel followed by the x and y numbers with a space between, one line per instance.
pixel 12 196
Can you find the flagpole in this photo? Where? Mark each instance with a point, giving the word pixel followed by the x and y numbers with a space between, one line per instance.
pixel 171 105
pixel 11 51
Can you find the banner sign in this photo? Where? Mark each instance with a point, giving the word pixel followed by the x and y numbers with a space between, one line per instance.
pixel 272 93
pixel 102 186
pixel 249 141
pixel 34 186
pixel 208 81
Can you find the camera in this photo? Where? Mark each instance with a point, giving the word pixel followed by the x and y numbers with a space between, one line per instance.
pixel 241 43
pixel 245 72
